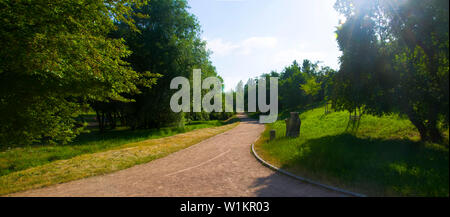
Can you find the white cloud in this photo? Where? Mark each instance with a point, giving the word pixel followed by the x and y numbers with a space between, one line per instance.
pixel 256 43
pixel 253 56
pixel 220 47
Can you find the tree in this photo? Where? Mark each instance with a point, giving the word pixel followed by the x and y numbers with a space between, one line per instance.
pixel 290 94
pixel 421 59
pixel 326 78
pixel 304 85
pixel 168 43
pixel 311 87
pixel 299 86
pixel 356 79
pixel 395 59
pixel 55 56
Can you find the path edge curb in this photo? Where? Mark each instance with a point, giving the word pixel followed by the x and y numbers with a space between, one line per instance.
pixel 284 172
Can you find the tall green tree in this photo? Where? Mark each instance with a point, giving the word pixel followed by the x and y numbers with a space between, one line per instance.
pixel 357 80
pixel 54 56
pixel 303 85
pixel 290 94
pixel 409 68
pixel 168 43
pixel 421 59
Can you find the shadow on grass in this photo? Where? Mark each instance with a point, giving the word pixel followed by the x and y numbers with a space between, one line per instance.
pixel 139 134
pixel 23 157
pixel 375 166
pixel 122 135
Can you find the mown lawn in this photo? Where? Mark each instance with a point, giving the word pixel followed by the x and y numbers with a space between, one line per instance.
pixel 383 157
pixel 21 158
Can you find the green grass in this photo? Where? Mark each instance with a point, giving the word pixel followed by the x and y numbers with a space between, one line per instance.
pixel 21 158
pixel 384 157
pixel 99 163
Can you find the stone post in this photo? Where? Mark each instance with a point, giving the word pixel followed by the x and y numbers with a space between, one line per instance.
pixel 272 135
pixel 293 124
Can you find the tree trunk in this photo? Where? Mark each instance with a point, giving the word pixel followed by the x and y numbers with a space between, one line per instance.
pixel 100 121
pixel 429 131
pixel 434 134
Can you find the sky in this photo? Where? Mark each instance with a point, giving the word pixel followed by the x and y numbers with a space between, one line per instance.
pixel 251 37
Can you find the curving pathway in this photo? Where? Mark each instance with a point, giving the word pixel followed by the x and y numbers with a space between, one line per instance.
pixel 219 166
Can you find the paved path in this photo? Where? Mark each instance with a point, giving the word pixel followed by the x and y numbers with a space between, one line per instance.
pixel 220 166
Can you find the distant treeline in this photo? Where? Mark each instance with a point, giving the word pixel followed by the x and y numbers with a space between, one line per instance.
pixel 300 85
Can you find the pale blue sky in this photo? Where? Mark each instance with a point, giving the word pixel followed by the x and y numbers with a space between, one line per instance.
pixel 251 37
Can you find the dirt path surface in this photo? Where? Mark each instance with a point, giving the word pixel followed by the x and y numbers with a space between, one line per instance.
pixel 219 166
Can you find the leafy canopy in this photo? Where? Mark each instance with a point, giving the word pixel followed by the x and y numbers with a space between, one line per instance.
pixel 56 55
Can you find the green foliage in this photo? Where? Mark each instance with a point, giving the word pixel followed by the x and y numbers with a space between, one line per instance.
pixel 423 64
pixel 20 158
pixel 168 43
pixel 56 55
pixel 311 87
pixel 382 158
pixel 290 96
pixel 395 59
pixel 301 86
pixel 357 79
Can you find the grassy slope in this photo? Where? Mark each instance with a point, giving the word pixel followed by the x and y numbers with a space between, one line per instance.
pixel 120 157
pixel 20 158
pixel 382 158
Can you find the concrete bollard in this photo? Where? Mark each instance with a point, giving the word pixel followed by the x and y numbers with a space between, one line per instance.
pixel 293 124
pixel 272 134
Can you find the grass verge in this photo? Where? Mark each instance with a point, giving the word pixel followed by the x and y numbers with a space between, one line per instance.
pixel 384 157
pixel 20 158
pixel 119 158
